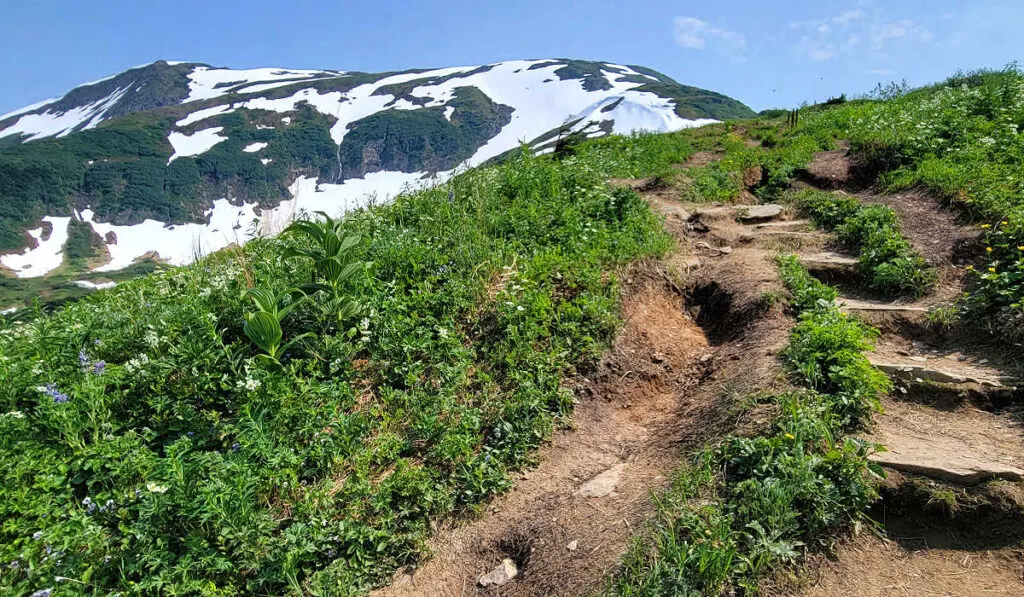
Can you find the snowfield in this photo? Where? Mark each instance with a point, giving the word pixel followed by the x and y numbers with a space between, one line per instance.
pixel 195 144
pixel 60 124
pixel 540 102
pixel 47 256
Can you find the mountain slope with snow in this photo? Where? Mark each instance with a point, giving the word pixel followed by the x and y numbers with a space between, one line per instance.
pixel 170 160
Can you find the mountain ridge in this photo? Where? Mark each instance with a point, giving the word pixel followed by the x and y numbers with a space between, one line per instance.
pixel 169 157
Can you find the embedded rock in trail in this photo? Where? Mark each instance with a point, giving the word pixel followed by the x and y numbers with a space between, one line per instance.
pixel 833 261
pixel 964 446
pixel 603 484
pixel 941 458
pixel 857 305
pixel 760 213
pixel 505 572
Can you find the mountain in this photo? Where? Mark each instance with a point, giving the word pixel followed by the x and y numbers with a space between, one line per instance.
pixel 172 159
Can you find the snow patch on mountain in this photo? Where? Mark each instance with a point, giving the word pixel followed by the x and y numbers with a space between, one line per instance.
pixel 226 223
pixel 635 112
pixel 204 114
pixel 254 147
pixel 195 144
pixel 47 255
pixel 61 124
pixel 208 83
pixel 355 104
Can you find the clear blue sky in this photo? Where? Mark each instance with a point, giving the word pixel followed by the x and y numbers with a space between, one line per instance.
pixel 753 50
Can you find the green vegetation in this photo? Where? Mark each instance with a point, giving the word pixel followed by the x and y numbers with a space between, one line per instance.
pixel 749 505
pixel 147 445
pixel 887 261
pixel 416 140
pixel 959 139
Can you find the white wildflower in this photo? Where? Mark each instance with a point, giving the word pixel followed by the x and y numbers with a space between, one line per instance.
pixel 250 384
pixel 156 487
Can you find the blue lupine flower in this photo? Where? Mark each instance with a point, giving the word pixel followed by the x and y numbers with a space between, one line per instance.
pixel 42 593
pixel 52 391
pixel 97 342
pixel 235 446
pixel 191 434
pixel 83 359
pixel 99 367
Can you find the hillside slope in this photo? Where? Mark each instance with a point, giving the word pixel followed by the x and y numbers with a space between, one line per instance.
pixel 177 159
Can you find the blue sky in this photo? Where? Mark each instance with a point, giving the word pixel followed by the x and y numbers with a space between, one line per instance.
pixel 762 53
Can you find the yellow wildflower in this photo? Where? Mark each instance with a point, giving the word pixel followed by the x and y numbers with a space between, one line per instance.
pixel 992 269
pixel 986 225
pixel 969 268
pixel 1004 223
pixel 1020 248
pixel 790 436
pixel 988 249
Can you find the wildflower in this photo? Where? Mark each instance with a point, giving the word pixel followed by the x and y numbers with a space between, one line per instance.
pixel 83 359
pixel 137 363
pixel 60 578
pixel 986 226
pixel 988 249
pixel 191 434
pixel 37 535
pixel 52 391
pixel 969 268
pixel 156 488
pixel 235 446
pixel 42 593
pixel 790 436
pixel 992 269
pixel 15 414
pixel 250 384
pixel 99 367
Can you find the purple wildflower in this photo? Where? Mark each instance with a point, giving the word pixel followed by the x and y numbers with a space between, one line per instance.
pixel 42 593
pixel 99 367
pixel 235 446
pixel 83 359
pixel 58 396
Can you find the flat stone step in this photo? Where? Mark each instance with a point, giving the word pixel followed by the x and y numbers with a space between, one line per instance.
pixel 784 234
pixel 940 457
pixel 784 225
pixel 924 373
pixel 828 261
pixel 856 305
pixel 759 213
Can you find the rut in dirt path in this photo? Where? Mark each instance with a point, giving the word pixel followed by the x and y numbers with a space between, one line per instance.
pixel 591 488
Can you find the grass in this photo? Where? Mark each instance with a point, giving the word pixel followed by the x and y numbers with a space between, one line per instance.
pixel 888 263
pixel 748 506
pixel 157 438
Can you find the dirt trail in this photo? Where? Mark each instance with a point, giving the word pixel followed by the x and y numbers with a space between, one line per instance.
pixel 624 434
pixel 943 449
pixel 697 335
